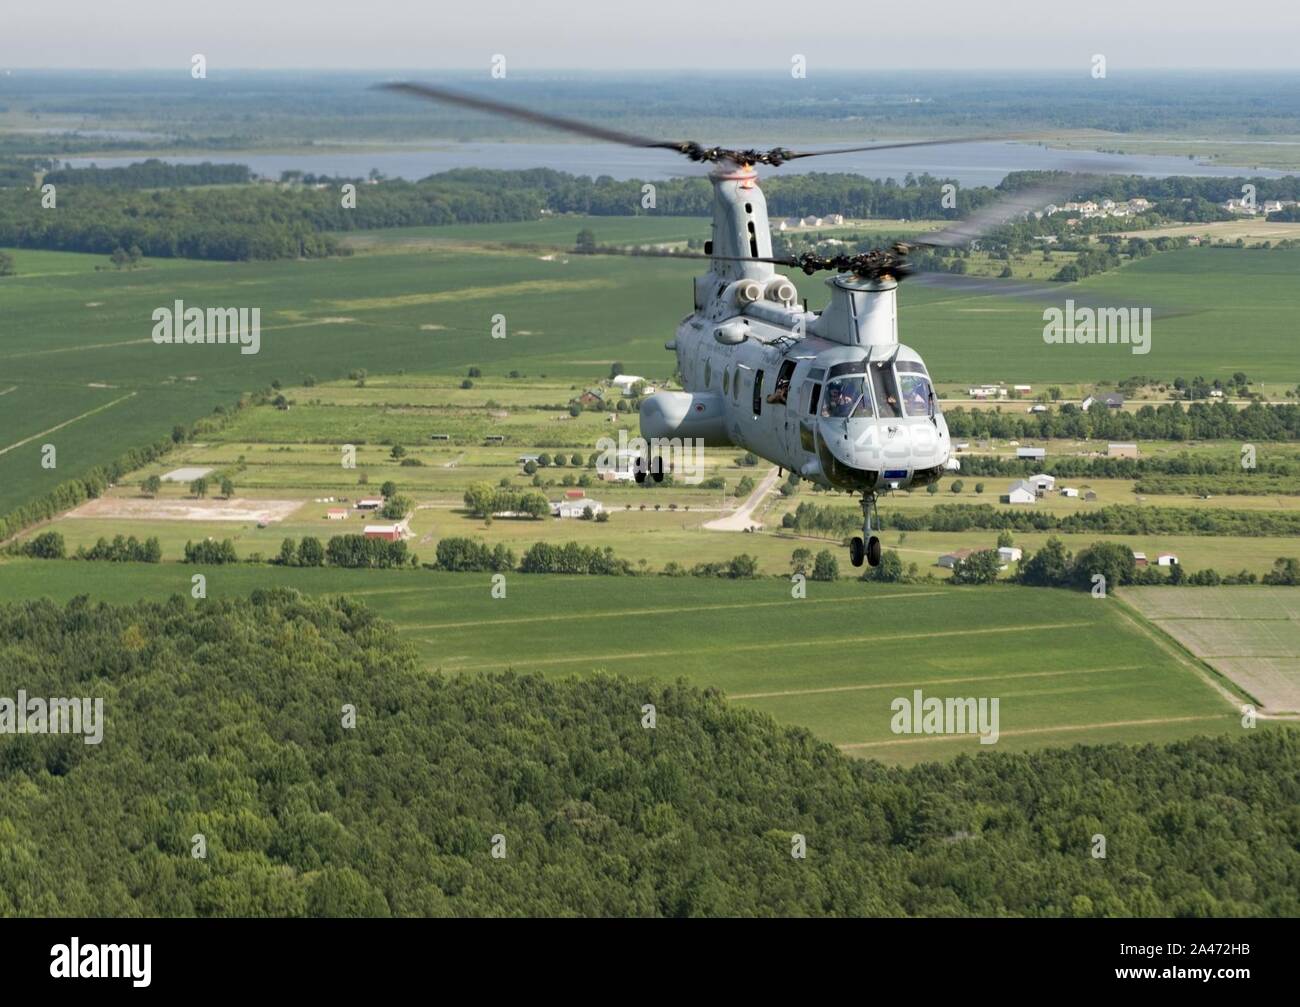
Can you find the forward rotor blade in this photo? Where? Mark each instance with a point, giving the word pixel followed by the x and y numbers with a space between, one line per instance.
pixel 560 122
pixel 792 155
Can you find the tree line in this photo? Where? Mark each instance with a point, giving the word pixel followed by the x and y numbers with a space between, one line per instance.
pixel 1171 421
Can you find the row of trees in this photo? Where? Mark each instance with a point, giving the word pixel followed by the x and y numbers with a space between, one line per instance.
pixel 1169 421
pixel 483 500
pixel 1117 519
pixel 104 209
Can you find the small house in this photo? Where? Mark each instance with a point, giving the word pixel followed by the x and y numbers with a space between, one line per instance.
pixel 1021 492
pixel 1069 491
pixel 370 503
pixel 387 532
pixel 1139 558
pixel 951 560
pixel 1043 483
pixel 337 514
pixel 1166 559
pixel 1010 553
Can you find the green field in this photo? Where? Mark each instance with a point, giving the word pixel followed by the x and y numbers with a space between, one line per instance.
pixel 67 327
pixel 1066 668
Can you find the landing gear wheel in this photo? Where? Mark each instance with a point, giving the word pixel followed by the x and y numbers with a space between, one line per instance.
pixel 856 550
pixel 873 551
pixel 638 471
pixel 657 468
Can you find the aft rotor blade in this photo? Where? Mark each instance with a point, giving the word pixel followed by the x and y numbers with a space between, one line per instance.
pixel 1002 211
pixel 518 112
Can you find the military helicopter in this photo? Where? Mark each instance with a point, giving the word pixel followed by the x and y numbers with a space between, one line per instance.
pixel 832 394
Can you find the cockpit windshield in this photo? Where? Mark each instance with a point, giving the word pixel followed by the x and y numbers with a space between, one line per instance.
pixel 918 396
pixel 847 397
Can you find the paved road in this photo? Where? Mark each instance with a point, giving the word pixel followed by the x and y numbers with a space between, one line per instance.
pixel 742 518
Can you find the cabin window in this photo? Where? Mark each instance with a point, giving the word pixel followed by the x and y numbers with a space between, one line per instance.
pixel 847 398
pixel 708 372
pixel 782 390
pixel 726 381
pixel 758 393
pixel 735 388
pixel 886 389
pixel 812 402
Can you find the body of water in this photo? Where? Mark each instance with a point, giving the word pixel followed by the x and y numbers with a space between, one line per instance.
pixel 970 164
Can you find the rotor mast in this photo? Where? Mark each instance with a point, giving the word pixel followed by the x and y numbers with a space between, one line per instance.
pixel 741 230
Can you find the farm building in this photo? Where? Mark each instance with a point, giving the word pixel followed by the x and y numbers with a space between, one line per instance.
pixel 1037 454
pixel 1121 450
pixel 626 381
pixel 1042 483
pixel 1022 389
pixel 1069 491
pixel 1113 400
pixel 1010 553
pixel 574 494
pixel 1020 492
pixel 337 513
pixel 575 508
pixel 387 532
pixel 1090 495
pixel 949 561
pixel 1140 558
pixel 1166 559
pixel 370 503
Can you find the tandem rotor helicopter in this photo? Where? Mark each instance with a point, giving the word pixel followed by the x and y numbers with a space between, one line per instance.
pixel 831 394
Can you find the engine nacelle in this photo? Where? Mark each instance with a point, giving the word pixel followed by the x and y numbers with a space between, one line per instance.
pixel 701 415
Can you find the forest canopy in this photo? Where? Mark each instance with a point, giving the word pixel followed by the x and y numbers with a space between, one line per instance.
pixel 225 719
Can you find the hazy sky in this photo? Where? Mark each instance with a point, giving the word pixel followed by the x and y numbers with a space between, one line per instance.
pixel 615 34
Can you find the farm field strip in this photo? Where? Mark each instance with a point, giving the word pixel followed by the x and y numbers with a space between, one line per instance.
pixel 1065 668
pixel 1257 647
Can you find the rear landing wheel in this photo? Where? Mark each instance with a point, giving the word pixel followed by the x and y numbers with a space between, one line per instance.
pixel 856 550
pixel 873 551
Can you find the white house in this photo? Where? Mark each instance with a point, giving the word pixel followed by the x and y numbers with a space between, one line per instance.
pixel 337 514
pixel 626 381
pixel 1021 492
pixel 575 508
pixel 1043 483
pixel 1009 554
pixel 1087 403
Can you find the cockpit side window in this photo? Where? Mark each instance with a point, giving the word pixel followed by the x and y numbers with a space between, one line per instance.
pixel 886 388
pixel 918 395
